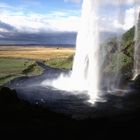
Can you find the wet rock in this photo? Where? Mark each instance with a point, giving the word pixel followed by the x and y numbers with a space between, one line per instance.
pixel 137 82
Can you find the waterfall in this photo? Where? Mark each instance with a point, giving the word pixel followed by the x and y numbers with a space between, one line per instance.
pixel 137 48
pixel 86 65
pixel 85 72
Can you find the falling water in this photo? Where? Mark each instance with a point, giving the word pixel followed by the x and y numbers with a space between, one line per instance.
pixel 85 67
pixel 137 47
pixel 84 76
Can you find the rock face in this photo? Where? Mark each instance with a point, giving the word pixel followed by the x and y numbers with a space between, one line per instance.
pixel 122 54
pixel 136 83
pixel 9 101
pixel 119 56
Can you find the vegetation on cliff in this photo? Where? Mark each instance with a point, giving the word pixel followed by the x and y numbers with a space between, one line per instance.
pixel 119 54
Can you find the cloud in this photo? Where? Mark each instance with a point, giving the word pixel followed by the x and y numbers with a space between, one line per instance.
pixel 1 36
pixel 131 16
pixel 73 1
pixel 119 2
pixel 112 2
pixel 39 38
pixel 6 27
pixel 34 22
pixel 24 20
pixel 4 5
pixel 19 21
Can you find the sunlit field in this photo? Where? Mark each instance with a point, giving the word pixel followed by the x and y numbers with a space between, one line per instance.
pixel 21 61
pixel 36 53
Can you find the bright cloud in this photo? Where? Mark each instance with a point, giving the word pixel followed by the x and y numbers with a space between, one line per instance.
pixel 34 22
pixel 60 20
pixel 120 2
pixel 131 15
pixel 114 2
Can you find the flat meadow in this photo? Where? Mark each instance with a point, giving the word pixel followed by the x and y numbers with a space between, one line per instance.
pixel 17 61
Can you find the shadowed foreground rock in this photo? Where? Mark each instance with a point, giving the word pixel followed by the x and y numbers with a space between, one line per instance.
pixel 19 117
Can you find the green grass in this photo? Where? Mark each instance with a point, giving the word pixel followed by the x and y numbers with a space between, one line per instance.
pixel 13 68
pixel 128 37
pixel 61 63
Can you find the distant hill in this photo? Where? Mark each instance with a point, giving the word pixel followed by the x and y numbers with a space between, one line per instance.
pixel 64 38
pixel 54 38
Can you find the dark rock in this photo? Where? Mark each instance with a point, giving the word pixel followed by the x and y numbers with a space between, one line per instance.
pixel 22 118
pixel 8 95
pixel 137 82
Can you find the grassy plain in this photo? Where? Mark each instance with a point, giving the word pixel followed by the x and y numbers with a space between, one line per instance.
pixel 20 61
pixel 35 53
pixel 12 68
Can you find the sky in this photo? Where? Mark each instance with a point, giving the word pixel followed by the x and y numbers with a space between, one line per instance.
pixel 45 16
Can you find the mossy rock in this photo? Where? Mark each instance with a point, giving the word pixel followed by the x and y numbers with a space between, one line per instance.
pixel 119 55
